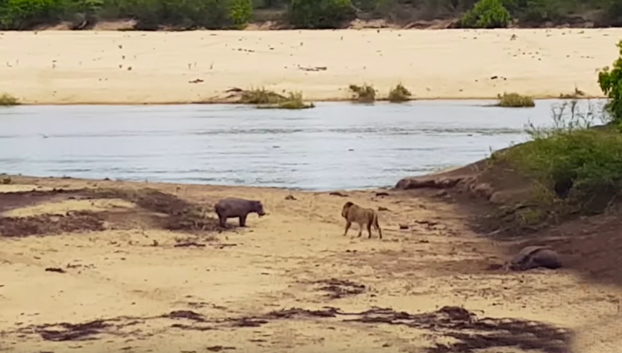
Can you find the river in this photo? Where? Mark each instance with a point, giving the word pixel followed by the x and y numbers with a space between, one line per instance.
pixel 334 146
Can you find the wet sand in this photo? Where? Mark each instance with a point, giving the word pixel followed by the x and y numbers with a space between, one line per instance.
pixel 109 67
pixel 162 290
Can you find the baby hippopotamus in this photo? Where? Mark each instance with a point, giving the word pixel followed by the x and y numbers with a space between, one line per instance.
pixel 232 207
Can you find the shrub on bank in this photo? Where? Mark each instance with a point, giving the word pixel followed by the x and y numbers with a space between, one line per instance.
pixel 25 14
pixel 399 94
pixel 610 81
pixel 320 13
pixel 261 96
pixel 573 161
pixel 293 101
pixel 149 14
pixel 8 100
pixel 486 14
pixel 515 100
pixel 363 94
pixel 210 14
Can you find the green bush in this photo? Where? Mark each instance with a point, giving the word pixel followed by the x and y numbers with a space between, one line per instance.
pixel 538 11
pixel 572 160
pixel 240 12
pixel 25 14
pixel 320 13
pixel 82 13
pixel 610 81
pixel 150 14
pixel 486 14
pixel 210 14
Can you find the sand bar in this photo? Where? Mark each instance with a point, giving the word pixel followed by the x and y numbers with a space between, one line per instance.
pixel 109 67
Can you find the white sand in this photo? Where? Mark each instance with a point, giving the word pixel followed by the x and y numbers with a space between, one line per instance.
pixel 64 67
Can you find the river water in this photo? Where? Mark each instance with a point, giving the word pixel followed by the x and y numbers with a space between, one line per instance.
pixel 334 146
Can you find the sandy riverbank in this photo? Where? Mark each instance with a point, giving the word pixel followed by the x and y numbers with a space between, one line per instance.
pixel 107 67
pixel 160 289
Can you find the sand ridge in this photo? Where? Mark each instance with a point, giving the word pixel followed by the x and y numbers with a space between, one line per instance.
pixel 234 288
pixel 111 67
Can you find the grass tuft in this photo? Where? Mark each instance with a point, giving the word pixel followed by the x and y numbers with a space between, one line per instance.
pixel 515 100
pixel 399 94
pixel 293 101
pixel 8 100
pixel 363 94
pixel 261 96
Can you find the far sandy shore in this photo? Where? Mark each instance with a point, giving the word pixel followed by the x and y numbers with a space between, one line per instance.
pixel 63 67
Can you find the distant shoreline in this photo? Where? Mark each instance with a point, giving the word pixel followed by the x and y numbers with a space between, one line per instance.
pixel 137 68
pixel 339 100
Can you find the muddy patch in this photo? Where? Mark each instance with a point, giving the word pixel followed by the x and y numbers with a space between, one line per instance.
pixel 50 224
pixel 472 333
pixel 154 209
pixel 466 331
pixel 16 199
pixel 338 288
pixel 73 332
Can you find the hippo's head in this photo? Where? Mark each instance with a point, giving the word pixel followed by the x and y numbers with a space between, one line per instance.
pixel 258 207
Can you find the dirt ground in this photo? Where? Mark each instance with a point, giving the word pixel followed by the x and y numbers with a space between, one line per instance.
pixel 143 267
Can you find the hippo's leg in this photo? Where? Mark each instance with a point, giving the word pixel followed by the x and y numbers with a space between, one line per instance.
pixel 243 220
pixel 222 220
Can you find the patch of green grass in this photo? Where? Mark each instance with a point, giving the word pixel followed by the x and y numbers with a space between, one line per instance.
pixel 293 101
pixel 261 96
pixel 7 100
pixel 515 100
pixel 363 94
pixel 399 94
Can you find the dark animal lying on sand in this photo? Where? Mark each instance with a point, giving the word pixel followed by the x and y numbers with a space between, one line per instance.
pixel 534 257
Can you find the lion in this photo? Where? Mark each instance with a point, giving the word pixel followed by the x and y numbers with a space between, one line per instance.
pixel 363 216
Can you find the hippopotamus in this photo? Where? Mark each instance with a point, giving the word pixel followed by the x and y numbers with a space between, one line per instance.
pixel 232 207
pixel 534 257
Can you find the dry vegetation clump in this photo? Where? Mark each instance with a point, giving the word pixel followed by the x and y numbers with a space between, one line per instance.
pixel 293 101
pixel 399 94
pixel 8 100
pixel 515 100
pixel 575 95
pixel 363 94
pixel 261 96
